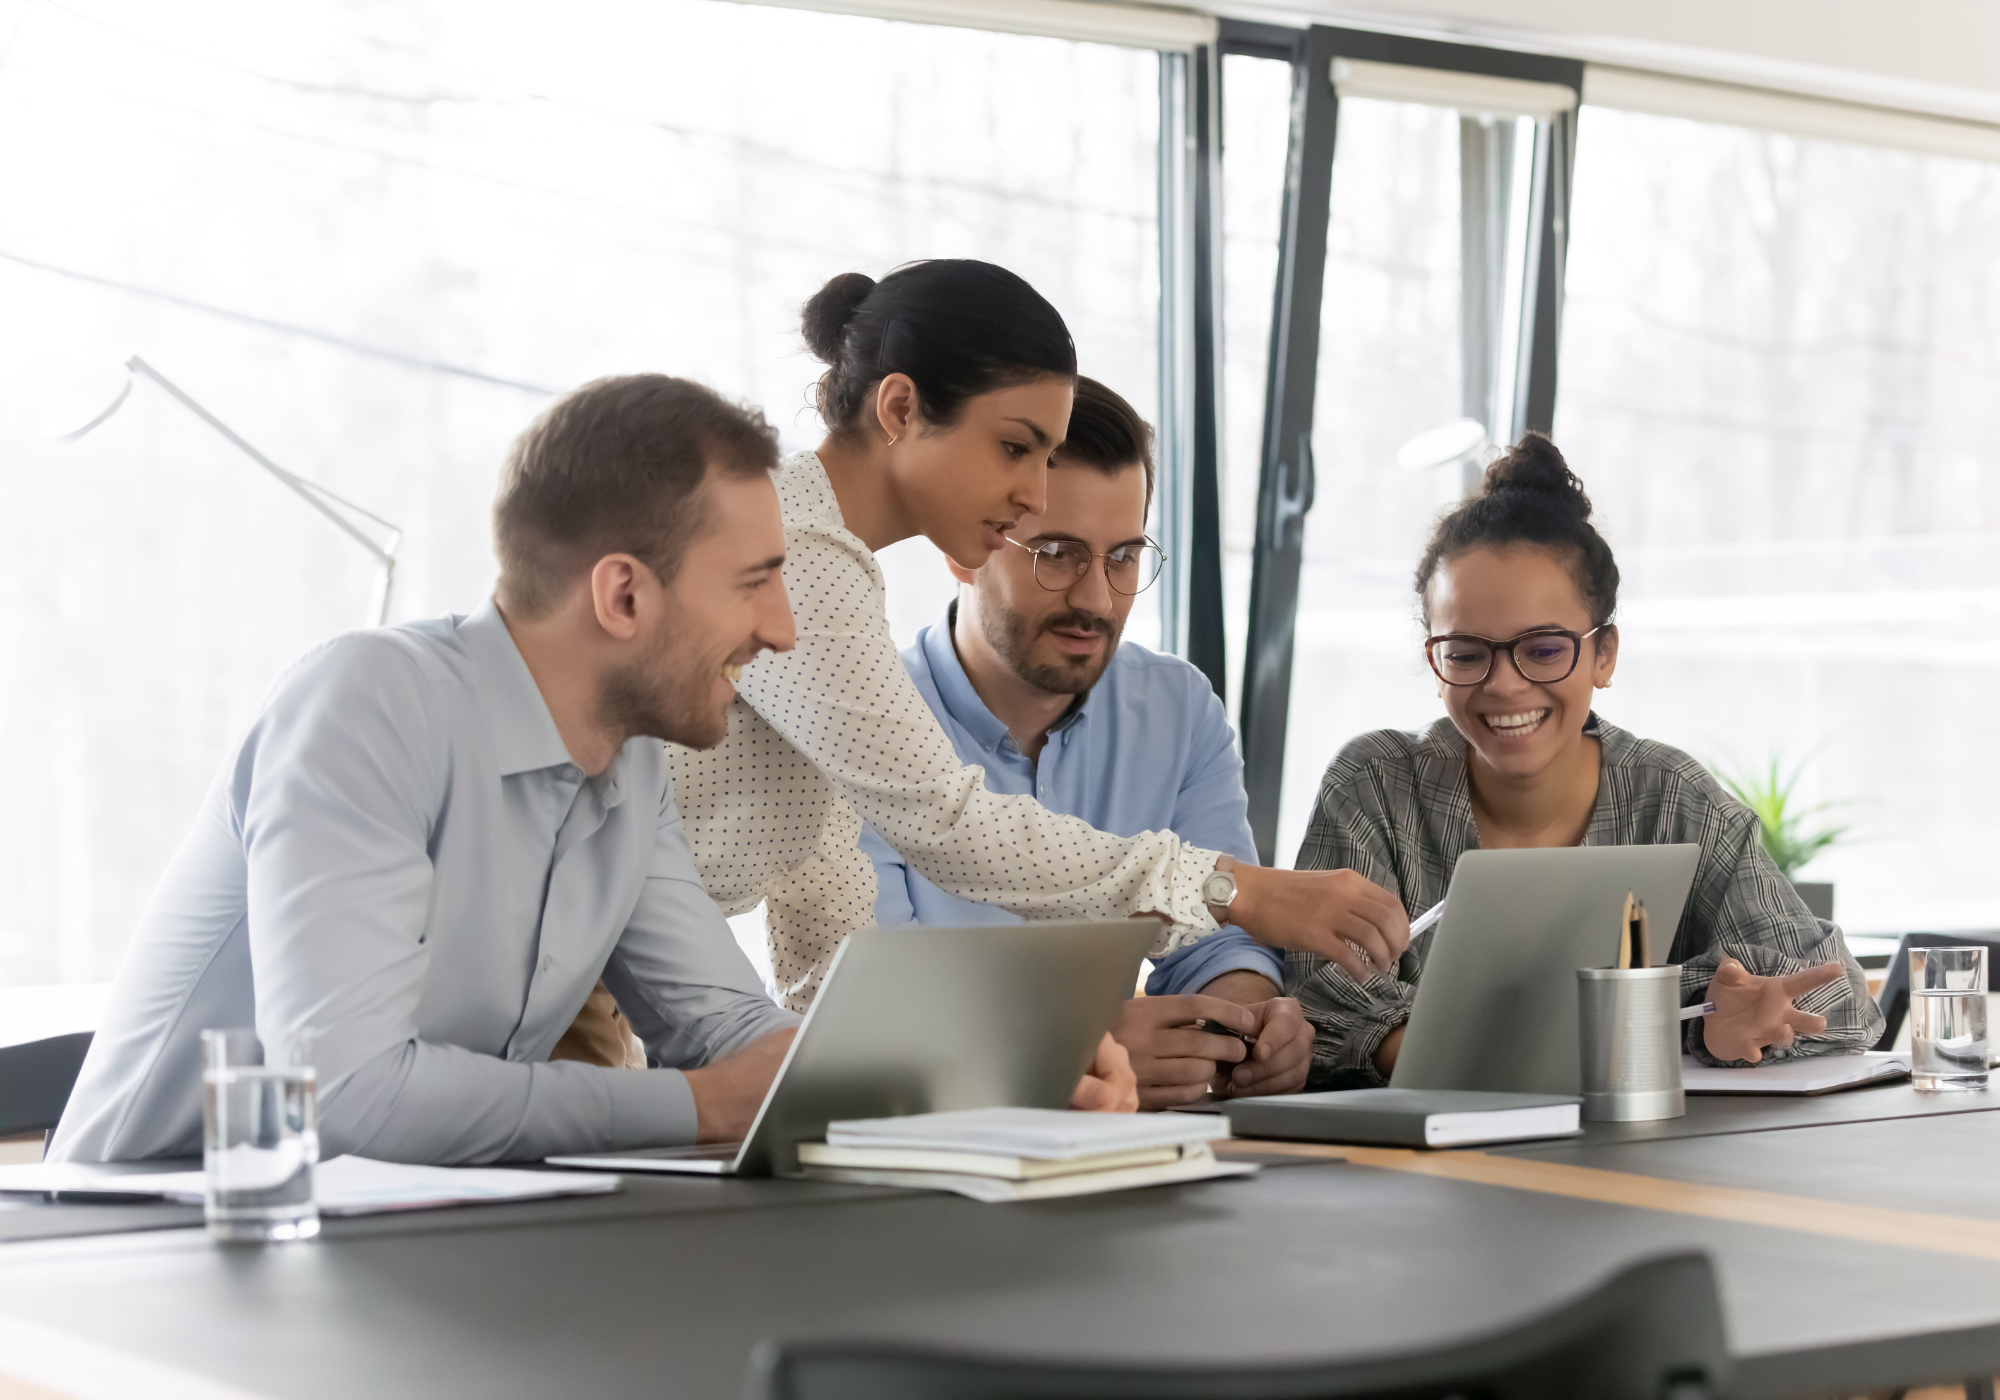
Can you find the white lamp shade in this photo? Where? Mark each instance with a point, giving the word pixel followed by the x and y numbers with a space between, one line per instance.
pixel 1442 445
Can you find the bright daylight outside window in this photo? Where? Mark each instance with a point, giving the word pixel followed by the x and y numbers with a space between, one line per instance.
pixel 1388 370
pixel 1780 377
pixel 374 238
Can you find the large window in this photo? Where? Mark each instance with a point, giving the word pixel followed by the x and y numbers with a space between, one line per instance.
pixel 1778 379
pixel 375 238
pixel 1781 383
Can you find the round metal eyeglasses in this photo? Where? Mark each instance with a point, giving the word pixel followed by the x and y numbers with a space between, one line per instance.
pixel 1544 656
pixel 1061 564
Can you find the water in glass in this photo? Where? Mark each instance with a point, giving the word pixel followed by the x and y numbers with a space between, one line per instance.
pixel 1948 1039
pixel 259 1147
pixel 1948 1018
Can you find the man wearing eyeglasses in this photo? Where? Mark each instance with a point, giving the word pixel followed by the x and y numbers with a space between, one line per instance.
pixel 1026 675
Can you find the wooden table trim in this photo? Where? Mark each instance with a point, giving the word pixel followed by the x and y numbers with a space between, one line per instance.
pixel 1941 1234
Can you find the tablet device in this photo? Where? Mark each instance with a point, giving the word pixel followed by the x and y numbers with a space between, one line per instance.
pixel 1496 1005
pixel 920 1020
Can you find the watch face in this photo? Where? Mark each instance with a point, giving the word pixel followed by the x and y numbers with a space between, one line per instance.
pixel 1218 888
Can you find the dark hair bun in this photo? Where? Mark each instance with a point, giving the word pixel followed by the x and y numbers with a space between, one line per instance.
pixel 1534 465
pixel 826 315
pixel 1531 497
pixel 955 326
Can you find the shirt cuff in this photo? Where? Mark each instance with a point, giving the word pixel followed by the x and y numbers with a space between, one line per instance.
pixel 649 1108
pixel 1193 967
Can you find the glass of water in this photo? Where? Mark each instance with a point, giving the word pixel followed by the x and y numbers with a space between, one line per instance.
pixel 1948 1018
pixel 259 1144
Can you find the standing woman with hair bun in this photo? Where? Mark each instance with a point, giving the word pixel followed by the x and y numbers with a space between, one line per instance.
pixel 1518 592
pixel 948 386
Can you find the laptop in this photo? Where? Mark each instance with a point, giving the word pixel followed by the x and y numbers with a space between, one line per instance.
pixel 1496 1008
pixel 920 1020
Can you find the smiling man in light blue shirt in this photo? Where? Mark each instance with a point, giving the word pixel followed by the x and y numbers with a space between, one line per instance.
pixel 437 837
pixel 1027 676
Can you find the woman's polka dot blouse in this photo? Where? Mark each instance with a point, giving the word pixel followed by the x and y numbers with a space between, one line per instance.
pixel 834 733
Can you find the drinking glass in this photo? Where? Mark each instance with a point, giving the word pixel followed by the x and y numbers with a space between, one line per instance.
pixel 1948 1018
pixel 258 1144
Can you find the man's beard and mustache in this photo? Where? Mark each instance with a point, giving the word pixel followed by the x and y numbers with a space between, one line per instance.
pixel 1014 637
pixel 655 697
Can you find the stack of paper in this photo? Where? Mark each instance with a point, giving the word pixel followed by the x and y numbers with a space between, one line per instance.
pixel 342 1186
pixel 1021 1154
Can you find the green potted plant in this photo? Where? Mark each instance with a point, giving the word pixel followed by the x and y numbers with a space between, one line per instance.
pixel 1792 834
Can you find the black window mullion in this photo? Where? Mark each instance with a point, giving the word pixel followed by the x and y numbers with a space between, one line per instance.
pixel 1207 642
pixel 1285 473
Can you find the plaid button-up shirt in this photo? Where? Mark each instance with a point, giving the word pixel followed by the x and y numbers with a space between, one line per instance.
pixel 1395 807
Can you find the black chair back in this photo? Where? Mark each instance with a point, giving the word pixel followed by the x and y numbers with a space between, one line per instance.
pixel 1650 1332
pixel 35 1080
pixel 1895 997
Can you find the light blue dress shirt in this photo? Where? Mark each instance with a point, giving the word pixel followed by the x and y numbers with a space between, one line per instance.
pixel 1149 749
pixel 400 857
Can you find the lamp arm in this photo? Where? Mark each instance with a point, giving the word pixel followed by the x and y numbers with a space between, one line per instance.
pixel 308 491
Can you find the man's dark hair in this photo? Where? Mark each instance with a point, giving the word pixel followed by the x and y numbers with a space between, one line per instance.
pixel 616 467
pixel 1530 497
pixel 1107 433
pixel 957 327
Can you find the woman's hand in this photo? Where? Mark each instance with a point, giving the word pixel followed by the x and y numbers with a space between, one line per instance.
pixel 1109 1085
pixel 1753 1013
pixel 1339 915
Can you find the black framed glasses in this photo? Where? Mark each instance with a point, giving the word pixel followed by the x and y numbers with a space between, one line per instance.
pixel 1061 564
pixel 1544 656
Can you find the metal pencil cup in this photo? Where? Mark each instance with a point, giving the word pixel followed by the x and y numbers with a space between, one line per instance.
pixel 1629 1027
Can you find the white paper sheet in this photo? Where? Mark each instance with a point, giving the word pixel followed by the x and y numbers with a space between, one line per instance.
pixel 343 1186
pixel 1814 1074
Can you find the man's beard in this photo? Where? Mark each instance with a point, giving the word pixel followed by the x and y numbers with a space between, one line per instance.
pixel 1014 637
pixel 656 697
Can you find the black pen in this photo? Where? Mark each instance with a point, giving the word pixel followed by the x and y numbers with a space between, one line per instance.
pixel 1217 1028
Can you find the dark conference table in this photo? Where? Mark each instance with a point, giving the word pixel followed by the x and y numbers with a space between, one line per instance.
pixel 1857 1238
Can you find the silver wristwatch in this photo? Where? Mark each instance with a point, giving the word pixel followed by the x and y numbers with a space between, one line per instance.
pixel 1217 891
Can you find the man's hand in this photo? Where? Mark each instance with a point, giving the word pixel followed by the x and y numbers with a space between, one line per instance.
pixel 1174 1062
pixel 1338 915
pixel 1282 1056
pixel 727 1093
pixel 1108 1086
pixel 1753 1013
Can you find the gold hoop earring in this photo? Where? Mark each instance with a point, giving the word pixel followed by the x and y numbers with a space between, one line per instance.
pixel 892 441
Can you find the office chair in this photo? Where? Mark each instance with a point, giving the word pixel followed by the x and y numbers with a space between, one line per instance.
pixel 1650 1332
pixel 35 1080
pixel 1895 997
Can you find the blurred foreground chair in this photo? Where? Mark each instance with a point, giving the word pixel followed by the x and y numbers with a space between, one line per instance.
pixel 1650 1332
pixel 35 1080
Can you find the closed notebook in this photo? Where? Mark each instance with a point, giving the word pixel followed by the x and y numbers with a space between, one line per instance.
pixel 1045 1134
pixel 1195 1163
pixel 1407 1117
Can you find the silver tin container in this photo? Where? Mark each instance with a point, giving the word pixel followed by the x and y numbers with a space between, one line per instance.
pixel 1629 1024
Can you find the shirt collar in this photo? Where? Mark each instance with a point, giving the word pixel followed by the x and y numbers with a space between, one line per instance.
pixel 522 730
pixel 962 701
pixel 954 687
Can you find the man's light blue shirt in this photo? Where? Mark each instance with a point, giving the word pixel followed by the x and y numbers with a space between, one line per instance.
pixel 1148 749
pixel 400 857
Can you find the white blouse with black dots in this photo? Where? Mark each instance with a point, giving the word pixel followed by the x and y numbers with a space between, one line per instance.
pixel 834 732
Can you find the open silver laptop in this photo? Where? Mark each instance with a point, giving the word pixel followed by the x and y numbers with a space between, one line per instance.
pixel 1496 1008
pixel 920 1020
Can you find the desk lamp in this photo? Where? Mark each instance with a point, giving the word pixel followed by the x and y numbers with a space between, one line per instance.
pixel 1462 441
pixel 89 403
